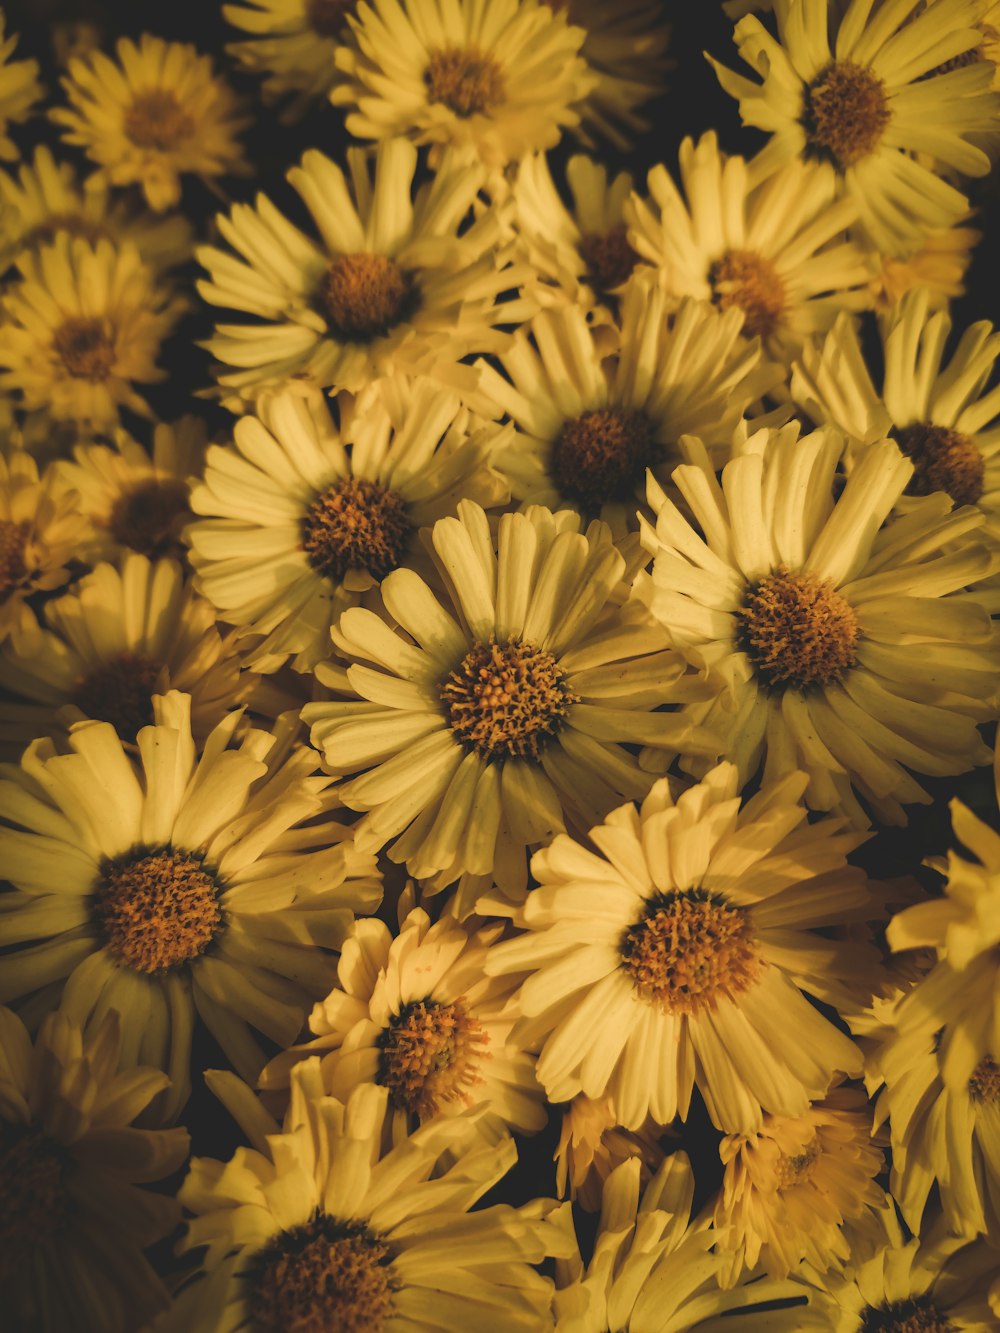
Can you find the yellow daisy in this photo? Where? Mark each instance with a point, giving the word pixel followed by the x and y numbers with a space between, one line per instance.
pixel 771 244
pixel 497 77
pixel 156 114
pixel 678 953
pixel 19 91
pixel 82 327
pixel 174 886
pixel 592 1143
pixel 73 1219
pixel 865 95
pixel 939 263
pixel 290 45
pixel 837 644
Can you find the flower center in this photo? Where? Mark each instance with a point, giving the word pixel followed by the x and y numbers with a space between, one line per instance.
pixel 984 1085
pixel 430 1057
pixel 910 1316
pixel 145 519
pixel 84 348
pixel 506 701
pixel 464 79
pixel 157 120
pixel 608 256
pixel 121 692
pixel 943 460
pixel 845 113
pixel 745 279
pixel 322 1276
pixel 328 18
pixel 690 950
pixel 33 1197
pixel 364 295
pixel 77 225
pixel 157 908
pixel 355 524
pixel 796 1169
pixel 13 570
pixel 797 630
pixel 601 455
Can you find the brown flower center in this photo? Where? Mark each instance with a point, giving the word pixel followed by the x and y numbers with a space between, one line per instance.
pixel 943 460
pixel 363 296
pixel 690 950
pixel 355 524
pixel 13 570
pixel 506 701
pixel 984 1085
pixel 797 1168
pixel 157 908
pixel 609 257
pixel 845 113
pixel 748 280
pixel 121 692
pixel 601 455
pixel 33 1197
pixel 328 18
pixel 918 1315
pixel 145 519
pixel 323 1276
pixel 797 630
pixel 73 223
pixel 85 349
pixel 157 120
pixel 430 1056
pixel 464 79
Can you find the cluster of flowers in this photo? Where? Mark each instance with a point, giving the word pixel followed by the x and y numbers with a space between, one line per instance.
pixel 474 739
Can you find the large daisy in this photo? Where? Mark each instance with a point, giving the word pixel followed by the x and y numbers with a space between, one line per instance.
pixel 175 886
pixel 866 95
pixel 19 91
pixel 491 715
pixel 677 954
pixel 838 645
pixel 290 44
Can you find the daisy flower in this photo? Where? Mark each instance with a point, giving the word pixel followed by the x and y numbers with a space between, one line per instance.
pixel 939 263
pixel 41 533
pixel 770 244
pixel 836 644
pixel 677 954
pixel 318 1226
pixel 102 651
pixel 137 498
pixel 330 510
pixel 83 326
pixel 394 284
pixel 74 1220
pixel 873 105
pixel 592 1143
pixel 789 1187
pixel 19 91
pixel 158 113
pixel 171 886
pixel 290 45
pixel 496 77
pixel 416 1014
pixel 591 425
pixel 496 711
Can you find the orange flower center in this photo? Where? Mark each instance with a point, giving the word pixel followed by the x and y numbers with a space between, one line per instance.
pixel 609 257
pixel 430 1056
pixel 749 281
pixel 157 120
pixel 602 455
pixel 984 1085
pixel 943 460
pixel 464 79
pixel 364 295
pixel 13 570
pixel 845 113
pixel 798 631
pixel 355 524
pixel 85 349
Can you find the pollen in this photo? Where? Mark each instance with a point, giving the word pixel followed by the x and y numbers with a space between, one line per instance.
pixel 85 349
pixel 506 701
pixel 431 1055
pixel 601 455
pixel 120 692
pixel 157 908
pixel 157 120
pixel 145 519
pixel 943 460
pixel 364 295
pixel 328 18
pixel 609 257
pixel 918 1315
pixel 984 1085
pixel 33 1196
pixel 689 950
pixel 798 631
pixel 464 79
pixel 355 524
pixel 846 112
pixel 13 570
pixel 749 281
pixel 321 1276
pixel 797 1168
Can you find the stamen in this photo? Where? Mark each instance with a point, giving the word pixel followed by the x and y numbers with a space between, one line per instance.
pixel 798 631
pixel 34 1203
pixel 943 460
pixel 845 113
pixel 984 1085
pixel 364 295
pixel 464 79
pixel 609 257
pixel 13 570
pixel 918 1315
pixel 145 519
pixel 748 280
pixel 328 18
pixel 602 455
pixel 121 692
pixel 356 524
pixel 430 1056
pixel 157 120
pixel 85 349
pixel 797 1169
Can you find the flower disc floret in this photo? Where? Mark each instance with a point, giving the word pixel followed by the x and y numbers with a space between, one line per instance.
pixel 365 295
pixel 466 80
pixel 356 524
pixel 797 630
pixel 33 1198
pixel 845 112
pixel 749 281
pixel 601 455
pixel 944 459
pixel 429 1055
pixel 120 692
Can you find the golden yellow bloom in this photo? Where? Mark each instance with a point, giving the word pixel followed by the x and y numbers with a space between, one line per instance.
pixel 19 90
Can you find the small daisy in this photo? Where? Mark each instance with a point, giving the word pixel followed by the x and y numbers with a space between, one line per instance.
pixel 176 886
pixel 19 91
pixel 83 326
pixel 836 644
pixel 73 1219
pixel 679 952
pixel 418 1015
pixel 291 46
pixel 592 1143
pixel 394 284
pixel 330 511
pixel 122 635
pixel 159 113
pixel 874 106
pixel 789 1187
pixel 770 244
pixel 497 77
pixel 502 708
pixel 318 1227
pixel 939 263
